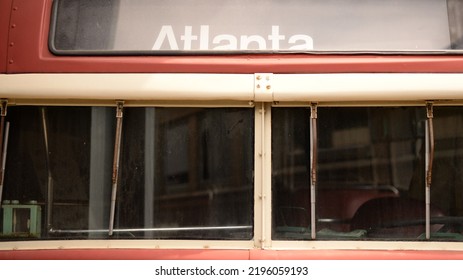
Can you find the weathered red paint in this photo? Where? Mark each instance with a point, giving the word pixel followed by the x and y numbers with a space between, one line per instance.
pixel 354 255
pixel 30 54
pixel 5 8
pixel 239 254
pixel 124 254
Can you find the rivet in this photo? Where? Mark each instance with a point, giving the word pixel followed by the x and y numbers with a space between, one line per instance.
pixel 15 8
pixel 11 44
pixel 11 61
pixel 13 25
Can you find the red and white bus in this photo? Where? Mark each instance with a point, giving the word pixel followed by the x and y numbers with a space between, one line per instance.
pixel 181 129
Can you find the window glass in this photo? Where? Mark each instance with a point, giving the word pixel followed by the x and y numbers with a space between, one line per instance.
pixel 185 26
pixel 185 173
pixel 290 173
pixel 447 182
pixel 370 173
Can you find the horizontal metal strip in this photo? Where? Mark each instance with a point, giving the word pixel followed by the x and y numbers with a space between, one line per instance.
pixel 151 229
pixel 172 87
pixel 222 88
pixel 367 87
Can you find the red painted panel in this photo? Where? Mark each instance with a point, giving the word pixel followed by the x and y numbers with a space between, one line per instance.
pixel 5 8
pixel 28 21
pixel 208 254
pixel 354 255
pixel 124 254
pixel 31 54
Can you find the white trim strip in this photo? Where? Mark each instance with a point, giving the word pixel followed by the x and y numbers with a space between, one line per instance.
pixel 128 86
pixel 126 244
pixel 232 87
pixel 367 245
pixel 235 245
pixel 367 87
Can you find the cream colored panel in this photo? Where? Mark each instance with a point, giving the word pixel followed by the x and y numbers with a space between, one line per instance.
pixel 128 86
pixel 233 87
pixel 367 87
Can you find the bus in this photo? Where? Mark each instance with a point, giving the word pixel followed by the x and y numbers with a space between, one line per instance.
pixel 181 129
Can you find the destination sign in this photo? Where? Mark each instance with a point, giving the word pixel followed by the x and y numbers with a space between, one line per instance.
pixel 167 39
pixel 179 26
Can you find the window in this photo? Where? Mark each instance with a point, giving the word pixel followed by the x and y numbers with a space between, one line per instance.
pixel 184 173
pixel 174 27
pixel 188 173
pixel 370 175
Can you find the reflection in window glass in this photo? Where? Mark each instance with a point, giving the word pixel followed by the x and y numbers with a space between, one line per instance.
pixel 290 172
pixel 189 168
pixel 184 173
pixel 447 182
pixel 371 164
pixel 179 26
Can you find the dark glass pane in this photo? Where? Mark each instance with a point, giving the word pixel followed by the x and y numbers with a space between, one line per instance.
pixel 184 173
pixel 370 173
pixel 290 173
pixel 189 173
pixel 48 168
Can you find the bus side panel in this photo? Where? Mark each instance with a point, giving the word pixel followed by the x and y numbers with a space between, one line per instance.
pixel 210 254
pixel 31 54
pixel 355 255
pixel 5 8
pixel 26 23
pixel 124 254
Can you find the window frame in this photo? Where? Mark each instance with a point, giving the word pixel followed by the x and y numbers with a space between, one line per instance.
pixel 290 90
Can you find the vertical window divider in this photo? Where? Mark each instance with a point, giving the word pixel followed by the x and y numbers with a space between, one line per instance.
pixel 50 187
pixel 115 171
pixel 4 129
pixel 313 169
pixel 262 178
pixel 429 140
pixel 263 197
